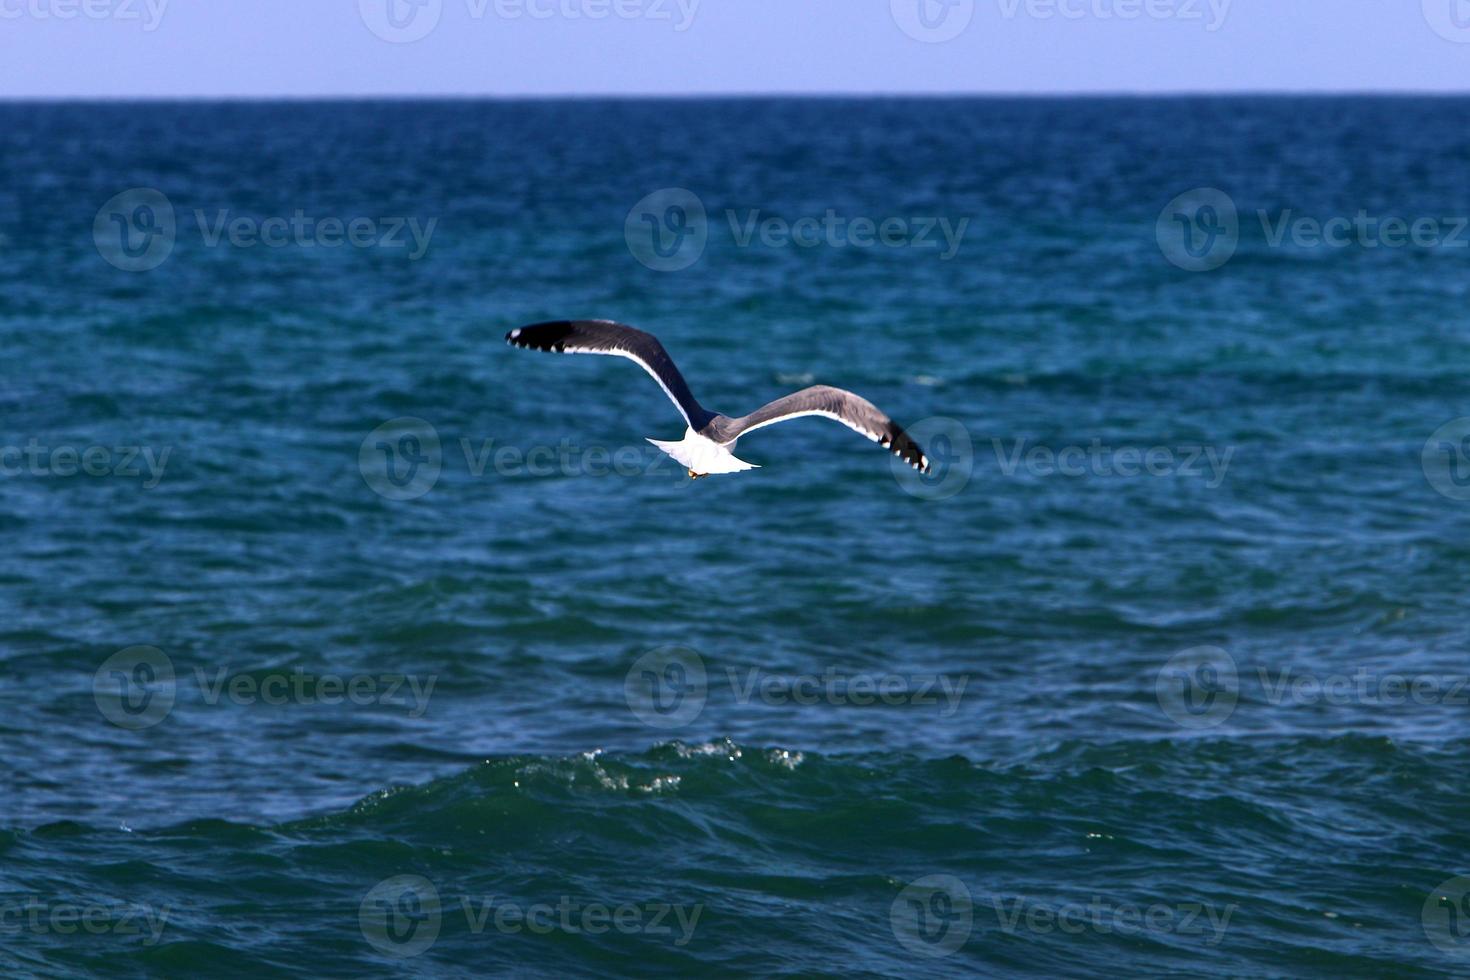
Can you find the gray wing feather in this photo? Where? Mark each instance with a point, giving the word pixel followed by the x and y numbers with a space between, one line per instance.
pixel 618 340
pixel 856 413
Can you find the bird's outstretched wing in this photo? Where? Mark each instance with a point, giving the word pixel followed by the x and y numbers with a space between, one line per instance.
pixel 617 340
pixel 856 413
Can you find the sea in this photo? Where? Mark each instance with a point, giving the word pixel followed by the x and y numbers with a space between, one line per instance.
pixel 340 639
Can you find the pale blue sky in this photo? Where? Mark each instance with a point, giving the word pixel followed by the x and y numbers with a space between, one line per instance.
pixel 496 47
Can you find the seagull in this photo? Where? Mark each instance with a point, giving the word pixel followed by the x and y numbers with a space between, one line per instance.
pixel 709 436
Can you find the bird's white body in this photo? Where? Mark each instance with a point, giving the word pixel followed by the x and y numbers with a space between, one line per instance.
pixel 702 456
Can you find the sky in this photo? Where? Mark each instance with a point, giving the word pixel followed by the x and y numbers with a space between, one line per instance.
pixel 303 48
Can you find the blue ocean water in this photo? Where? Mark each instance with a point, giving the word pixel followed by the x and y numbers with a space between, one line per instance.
pixel 340 639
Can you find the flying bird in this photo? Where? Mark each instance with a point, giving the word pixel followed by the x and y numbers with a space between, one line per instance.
pixel 709 436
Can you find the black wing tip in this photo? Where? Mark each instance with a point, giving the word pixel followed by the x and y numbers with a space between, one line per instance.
pixel 902 445
pixel 540 336
pixel 917 460
pixel 552 335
